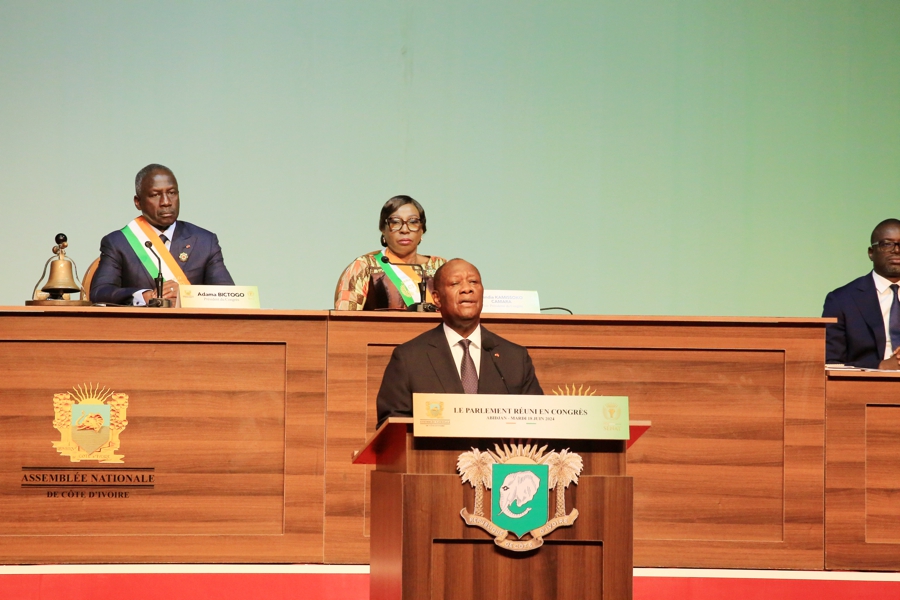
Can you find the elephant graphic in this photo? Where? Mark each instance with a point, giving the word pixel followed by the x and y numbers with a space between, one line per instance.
pixel 521 487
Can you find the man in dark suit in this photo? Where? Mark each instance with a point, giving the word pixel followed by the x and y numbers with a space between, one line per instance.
pixel 867 333
pixel 123 278
pixel 459 356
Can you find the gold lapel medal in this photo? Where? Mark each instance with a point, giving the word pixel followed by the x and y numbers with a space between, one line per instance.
pixel 183 257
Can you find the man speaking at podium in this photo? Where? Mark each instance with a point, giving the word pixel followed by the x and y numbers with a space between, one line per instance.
pixel 190 255
pixel 459 356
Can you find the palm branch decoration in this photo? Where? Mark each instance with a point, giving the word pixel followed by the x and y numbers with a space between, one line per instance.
pixel 475 468
pixel 565 467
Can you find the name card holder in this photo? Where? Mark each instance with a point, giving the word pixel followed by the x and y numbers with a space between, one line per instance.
pixel 511 302
pixel 218 296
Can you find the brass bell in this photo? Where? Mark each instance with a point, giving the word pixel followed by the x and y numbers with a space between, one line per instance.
pixel 62 280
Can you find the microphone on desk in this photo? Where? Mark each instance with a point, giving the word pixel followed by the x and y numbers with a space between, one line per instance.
pixel 489 348
pixel 159 301
pixel 420 306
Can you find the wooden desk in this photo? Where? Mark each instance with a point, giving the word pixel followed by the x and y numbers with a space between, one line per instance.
pixel 226 412
pixel 248 421
pixel 729 476
pixel 862 471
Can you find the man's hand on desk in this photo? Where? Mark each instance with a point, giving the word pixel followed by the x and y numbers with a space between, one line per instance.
pixel 170 290
pixel 891 363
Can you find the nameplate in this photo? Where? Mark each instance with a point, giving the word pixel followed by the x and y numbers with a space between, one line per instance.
pixel 511 301
pixel 524 417
pixel 218 296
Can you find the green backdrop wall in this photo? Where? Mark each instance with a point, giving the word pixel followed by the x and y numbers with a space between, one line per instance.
pixel 644 157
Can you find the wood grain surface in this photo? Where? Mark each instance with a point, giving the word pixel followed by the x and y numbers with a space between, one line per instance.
pixel 225 411
pixel 254 416
pixel 423 549
pixel 862 471
pixel 731 473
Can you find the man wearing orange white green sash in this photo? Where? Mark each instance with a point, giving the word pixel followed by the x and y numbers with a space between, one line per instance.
pixel 190 255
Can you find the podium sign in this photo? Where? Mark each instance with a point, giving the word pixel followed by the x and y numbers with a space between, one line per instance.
pixel 520 417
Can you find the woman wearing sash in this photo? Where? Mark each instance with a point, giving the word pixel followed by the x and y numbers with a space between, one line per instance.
pixel 389 279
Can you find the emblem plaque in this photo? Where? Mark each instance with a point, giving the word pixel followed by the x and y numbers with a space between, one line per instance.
pixel 90 420
pixel 434 409
pixel 520 478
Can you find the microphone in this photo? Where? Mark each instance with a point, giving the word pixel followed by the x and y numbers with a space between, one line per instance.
pixel 160 301
pixel 423 286
pixel 421 305
pixel 489 347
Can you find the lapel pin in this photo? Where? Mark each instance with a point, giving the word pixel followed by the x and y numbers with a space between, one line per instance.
pixel 497 355
pixel 183 257
pixel 187 246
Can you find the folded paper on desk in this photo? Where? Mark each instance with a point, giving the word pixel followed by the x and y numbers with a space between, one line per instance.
pixel 511 301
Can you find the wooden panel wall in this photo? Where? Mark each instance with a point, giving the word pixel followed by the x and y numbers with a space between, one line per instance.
pixel 712 466
pixel 359 347
pixel 251 439
pixel 730 474
pixel 862 471
pixel 225 411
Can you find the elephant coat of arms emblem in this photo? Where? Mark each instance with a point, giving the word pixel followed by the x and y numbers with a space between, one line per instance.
pixel 519 478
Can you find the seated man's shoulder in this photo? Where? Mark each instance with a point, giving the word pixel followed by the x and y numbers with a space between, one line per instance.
pixel 113 239
pixel 191 229
pixel 854 285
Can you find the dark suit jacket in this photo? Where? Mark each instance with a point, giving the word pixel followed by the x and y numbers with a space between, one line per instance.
pixel 858 337
pixel 121 273
pixel 425 365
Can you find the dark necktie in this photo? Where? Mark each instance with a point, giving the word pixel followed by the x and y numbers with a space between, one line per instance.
pixel 164 239
pixel 469 375
pixel 894 323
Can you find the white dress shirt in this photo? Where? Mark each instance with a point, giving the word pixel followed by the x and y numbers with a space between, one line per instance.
pixel 456 350
pixel 885 298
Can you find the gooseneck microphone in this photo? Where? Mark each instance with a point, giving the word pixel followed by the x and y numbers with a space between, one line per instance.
pixel 420 306
pixel 423 286
pixel 159 279
pixel 489 348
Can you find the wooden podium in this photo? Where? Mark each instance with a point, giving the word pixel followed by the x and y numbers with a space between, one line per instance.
pixel 422 548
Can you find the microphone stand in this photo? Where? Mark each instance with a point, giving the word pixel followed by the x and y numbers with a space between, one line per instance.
pixel 159 301
pixel 421 306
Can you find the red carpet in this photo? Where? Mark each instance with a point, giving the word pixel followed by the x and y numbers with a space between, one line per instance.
pixel 262 582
